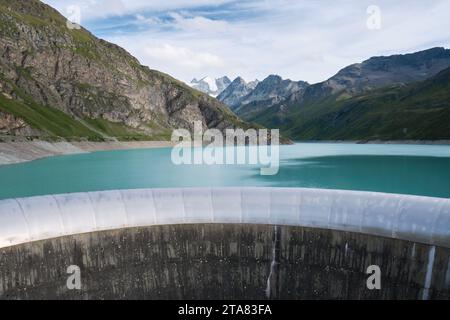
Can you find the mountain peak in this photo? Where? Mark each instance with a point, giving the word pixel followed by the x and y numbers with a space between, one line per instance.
pixel 273 78
pixel 233 94
pixel 239 80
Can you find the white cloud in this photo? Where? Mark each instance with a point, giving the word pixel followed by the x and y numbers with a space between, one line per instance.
pixel 298 39
pixel 186 23
pixel 198 23
pixel 140 19
pixel 182 57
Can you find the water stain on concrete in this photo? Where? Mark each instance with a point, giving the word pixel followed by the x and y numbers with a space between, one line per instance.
pixel 223 262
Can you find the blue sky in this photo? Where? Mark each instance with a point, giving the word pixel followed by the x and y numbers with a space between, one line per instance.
pixel 298 39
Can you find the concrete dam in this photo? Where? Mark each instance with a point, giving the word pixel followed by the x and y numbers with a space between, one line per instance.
pixel 225 243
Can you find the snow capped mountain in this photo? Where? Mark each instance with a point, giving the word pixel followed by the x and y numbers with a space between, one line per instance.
pixel 211 83
pixel 211 86
pixel 222 84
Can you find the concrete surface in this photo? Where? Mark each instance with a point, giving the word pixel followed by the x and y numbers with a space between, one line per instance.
pixel 224 261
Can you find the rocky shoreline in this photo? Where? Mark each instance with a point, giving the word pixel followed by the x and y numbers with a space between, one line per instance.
pixel 17 152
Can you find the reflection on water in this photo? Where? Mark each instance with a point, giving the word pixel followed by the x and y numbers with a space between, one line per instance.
pixel 395 174
pixel 421 170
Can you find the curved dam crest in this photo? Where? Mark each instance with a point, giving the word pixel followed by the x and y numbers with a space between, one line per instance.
pixel 405 217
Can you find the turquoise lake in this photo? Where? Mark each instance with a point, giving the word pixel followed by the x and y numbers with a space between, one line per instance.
pixel 404 169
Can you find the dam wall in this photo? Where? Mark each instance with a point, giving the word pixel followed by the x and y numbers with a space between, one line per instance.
pixel 231 243
pixel 224 261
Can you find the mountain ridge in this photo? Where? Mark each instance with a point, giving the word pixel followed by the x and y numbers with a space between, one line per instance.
pixel 416 111
pixel 352 81
pixel 244 97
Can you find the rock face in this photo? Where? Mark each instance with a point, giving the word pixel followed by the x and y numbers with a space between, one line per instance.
pixel 10 123
pixel 210 86
pixel 234 93
pixel 269 92
pixel 245 98
pixel 96 86
pixel 274 88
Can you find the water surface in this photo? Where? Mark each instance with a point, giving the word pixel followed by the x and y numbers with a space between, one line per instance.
pixel 405 169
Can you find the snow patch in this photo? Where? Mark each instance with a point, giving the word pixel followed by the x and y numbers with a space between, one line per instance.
pixel 211 83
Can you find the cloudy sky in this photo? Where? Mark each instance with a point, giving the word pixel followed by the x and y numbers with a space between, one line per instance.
pixel 298 39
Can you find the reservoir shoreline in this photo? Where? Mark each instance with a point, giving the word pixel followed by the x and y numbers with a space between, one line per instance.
pixel 14 152
pixel 24 151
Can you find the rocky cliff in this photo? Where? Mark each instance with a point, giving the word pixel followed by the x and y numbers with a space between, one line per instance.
pixel 62 82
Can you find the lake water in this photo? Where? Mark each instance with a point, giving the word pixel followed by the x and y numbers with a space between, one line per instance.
pixel 405 169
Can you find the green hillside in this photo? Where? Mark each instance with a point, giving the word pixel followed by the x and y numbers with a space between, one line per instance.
pixel 419 111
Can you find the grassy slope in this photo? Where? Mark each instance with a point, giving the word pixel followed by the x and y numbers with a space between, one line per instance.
pixel 125 133
pixel 419 111
pixel 52 122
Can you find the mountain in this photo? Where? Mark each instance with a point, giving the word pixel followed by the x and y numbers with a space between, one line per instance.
pixel 378 72
pixel 273 87
pixel 210 86
pixel 243 99
pixel 222 84
pixel 417 111
pixel 238 89
pixel 267 93
pixel 57 82
pixel 353 81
